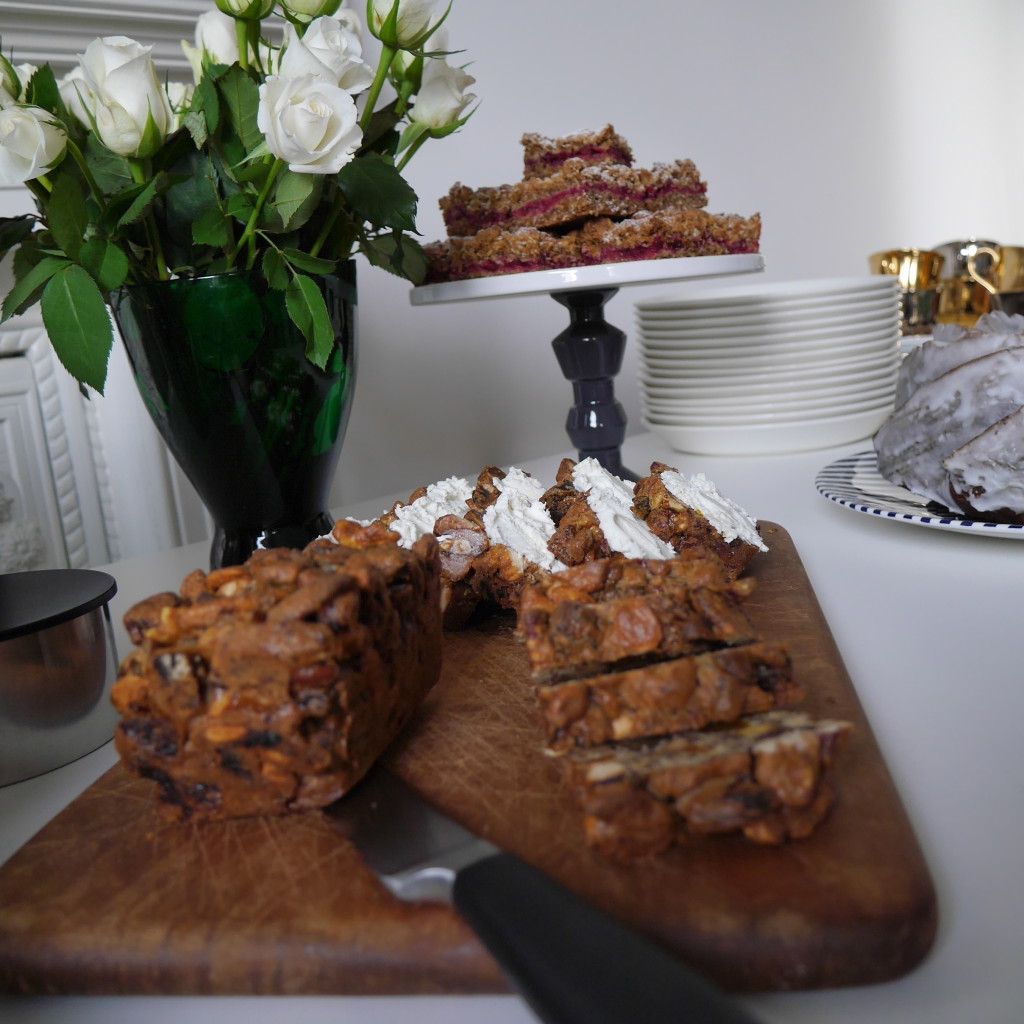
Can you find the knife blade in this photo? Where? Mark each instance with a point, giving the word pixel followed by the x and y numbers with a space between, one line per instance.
pixel 572 962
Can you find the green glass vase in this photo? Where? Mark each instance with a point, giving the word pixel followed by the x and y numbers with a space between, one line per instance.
pixel 253 424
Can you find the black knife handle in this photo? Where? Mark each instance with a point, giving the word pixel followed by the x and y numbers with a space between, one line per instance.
pixel 573 963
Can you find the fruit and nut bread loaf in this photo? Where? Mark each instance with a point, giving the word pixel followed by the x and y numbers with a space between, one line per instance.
pixel 273 686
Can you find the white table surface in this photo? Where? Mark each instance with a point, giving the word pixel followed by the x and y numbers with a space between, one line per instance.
pixel 928 623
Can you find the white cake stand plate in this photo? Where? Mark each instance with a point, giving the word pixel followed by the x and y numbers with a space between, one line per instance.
pixel 590 350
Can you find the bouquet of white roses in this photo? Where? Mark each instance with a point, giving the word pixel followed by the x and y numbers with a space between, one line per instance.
pixel 284 156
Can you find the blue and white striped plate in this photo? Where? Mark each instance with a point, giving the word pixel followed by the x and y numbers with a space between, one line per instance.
pixel 854 482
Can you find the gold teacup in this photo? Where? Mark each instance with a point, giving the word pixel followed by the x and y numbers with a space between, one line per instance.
pixel 956 255
pixel 1009 302
pixel 915 268
pixel 961 301
pixel 1006 273
pixel 918 310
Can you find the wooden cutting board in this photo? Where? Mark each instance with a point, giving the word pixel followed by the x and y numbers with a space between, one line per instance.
pixel 109 898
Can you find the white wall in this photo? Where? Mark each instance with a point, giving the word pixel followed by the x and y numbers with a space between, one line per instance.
pixel 850 127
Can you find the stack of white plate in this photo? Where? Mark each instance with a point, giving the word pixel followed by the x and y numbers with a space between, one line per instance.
pixel 783 367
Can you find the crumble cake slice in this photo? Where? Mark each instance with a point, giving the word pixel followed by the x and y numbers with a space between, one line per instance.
pixel 765 777
pixel 690 514
pixel 543 156
pixel 618 613
pixel 573 194
pixel 670 696
pixel 647 235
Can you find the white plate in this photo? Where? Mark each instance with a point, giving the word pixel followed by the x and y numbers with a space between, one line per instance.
pixel 741 357
pixel 727 374
pixel 732 406
pixel 714 339
pixel 835 367
pixel 728 337
pixel 740 388
pixel 809 435
pixel 845 312
pixel 767 293
pixel 850 342
pixel 741 419
pixel 855 483
pixel 604 275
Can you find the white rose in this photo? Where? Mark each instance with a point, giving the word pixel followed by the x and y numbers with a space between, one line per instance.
pixel 76 93
pixel 216 41
pixel 309 123
pixel 330 49
pixel 247 10
pixel 14 79
pixel 413 23
pixel 30 144
pixel 128 103
pixel 179 95
pixel 310 8
pixel 442 97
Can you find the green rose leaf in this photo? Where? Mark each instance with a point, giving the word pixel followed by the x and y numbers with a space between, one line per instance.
pixel 275 270
pixel 77 321
pixel 210 228
pixel 413 131
pixel 378 193
pixel 205 103
pixel 294 198
pixel 111 172
pixel 195 124
pixel 399 254
pixel 240 206
pixel 241 97
pixel 106 263
pixel 43 91
pixel 380 134
pixel 191 210
pixel 29 285
pixel 311 264
pixel 66 213
pixel 14 231
pixel 142 200
pixel 308 311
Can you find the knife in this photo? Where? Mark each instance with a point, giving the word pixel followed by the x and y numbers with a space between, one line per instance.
pixel 571 962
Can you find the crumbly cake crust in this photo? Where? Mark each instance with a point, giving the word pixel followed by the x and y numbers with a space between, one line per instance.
pixel 646 235
pixel 685 528
pixel 641 612
pixel 582 203
pixel 765 777
pixel 543 156
pixel 574 193
pixel 273 686
pixel 671 696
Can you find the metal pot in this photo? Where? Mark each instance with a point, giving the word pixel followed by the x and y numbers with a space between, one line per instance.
pixel 57 664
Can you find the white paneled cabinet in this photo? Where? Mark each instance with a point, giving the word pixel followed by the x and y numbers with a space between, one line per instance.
pixel 31 530
pixel 92 473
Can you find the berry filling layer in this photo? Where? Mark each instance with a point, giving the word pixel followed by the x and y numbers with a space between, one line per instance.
pixel 589 154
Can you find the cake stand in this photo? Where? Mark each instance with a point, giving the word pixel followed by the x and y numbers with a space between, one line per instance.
pixel 589 350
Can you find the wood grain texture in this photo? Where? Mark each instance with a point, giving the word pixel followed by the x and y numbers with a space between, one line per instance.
pixel 109 898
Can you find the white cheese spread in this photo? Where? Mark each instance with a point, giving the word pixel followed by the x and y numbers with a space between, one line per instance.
pixel 444 498
pixel 519 520
pixel 699 493
pixel 611 500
